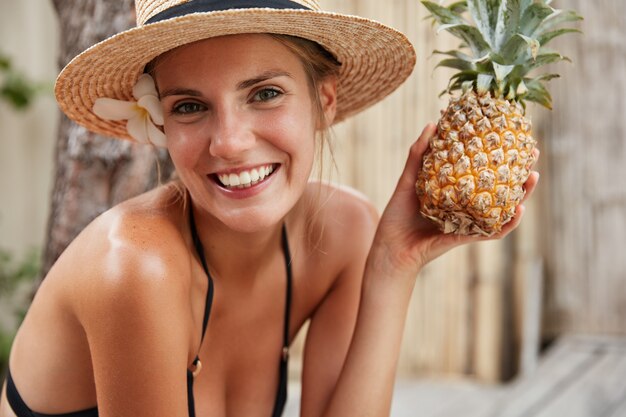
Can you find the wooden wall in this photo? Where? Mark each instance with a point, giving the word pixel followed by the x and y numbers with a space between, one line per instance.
pixel 467 308
pixel 477 310
pixel 484 310
pixel 585 161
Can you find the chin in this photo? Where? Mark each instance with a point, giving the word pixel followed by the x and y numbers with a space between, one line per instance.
pixel 253 222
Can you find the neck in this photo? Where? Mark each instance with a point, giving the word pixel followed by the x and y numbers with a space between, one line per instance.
pixel 236 256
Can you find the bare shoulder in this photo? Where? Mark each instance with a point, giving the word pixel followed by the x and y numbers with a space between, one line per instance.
pixel 125 278
pixel 129 253
pixel 343 217
pixel 120 294
pixel 344 205
pixel 343 197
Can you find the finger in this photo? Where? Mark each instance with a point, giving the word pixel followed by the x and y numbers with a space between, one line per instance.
pixel 512 225
pixel 530 185
pixel 536 152
pixel 414 161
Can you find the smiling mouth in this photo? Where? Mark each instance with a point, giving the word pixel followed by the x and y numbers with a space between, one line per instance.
pixel 245 179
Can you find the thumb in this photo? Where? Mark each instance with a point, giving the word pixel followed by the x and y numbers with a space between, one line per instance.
pixel 414 161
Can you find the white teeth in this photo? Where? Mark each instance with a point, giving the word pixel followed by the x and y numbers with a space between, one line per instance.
pixel 233 179
pixel 246 178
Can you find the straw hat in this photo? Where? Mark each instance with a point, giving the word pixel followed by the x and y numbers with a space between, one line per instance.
pixel 375 59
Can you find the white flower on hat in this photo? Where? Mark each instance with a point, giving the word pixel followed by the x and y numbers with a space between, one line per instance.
pixel 142 115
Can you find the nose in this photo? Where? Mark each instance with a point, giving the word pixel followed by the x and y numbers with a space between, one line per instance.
pixel 230 134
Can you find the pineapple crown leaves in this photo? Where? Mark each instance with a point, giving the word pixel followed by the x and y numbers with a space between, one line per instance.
pixel 506 40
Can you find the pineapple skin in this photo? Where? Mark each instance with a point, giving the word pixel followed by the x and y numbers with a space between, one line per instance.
pixel 473 175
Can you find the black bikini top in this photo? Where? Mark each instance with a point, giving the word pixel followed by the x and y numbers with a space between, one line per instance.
pixel 281 394
pixel 20 408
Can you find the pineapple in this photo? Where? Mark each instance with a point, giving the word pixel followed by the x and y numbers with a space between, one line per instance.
pixel 473 174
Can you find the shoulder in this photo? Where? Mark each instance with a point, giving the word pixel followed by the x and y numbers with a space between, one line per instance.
pixel 126 280
pixel 341 220
pixel 145 232
pixel 341 205
pixel 133 256
pixel 346 221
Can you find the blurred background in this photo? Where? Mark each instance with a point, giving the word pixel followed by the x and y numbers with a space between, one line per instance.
pixel 483 315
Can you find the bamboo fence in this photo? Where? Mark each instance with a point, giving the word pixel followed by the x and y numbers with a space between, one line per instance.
pixel 468 309
pixel 481 310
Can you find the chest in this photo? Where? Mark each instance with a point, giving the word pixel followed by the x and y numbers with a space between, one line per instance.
pixel 241 354
pixel 243 344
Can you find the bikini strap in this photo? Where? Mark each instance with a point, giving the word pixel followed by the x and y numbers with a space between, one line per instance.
pixel 281 394
pixel 287 256
pixel 209 295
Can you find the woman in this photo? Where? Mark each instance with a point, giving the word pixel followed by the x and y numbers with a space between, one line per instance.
pixel 183 301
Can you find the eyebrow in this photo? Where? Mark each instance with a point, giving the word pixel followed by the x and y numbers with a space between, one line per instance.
pixel 267 75
pixel 264 76
pixel 180 92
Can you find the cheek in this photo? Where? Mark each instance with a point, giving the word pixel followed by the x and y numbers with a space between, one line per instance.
pixel 184 145
pixel 295 130
pixel 296 138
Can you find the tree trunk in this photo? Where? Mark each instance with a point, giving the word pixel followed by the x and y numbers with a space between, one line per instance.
pixel 93 172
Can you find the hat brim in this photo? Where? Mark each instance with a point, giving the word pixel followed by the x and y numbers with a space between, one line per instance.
pixel 375 59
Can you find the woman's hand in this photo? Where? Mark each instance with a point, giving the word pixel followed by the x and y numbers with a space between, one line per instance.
pixel 405 240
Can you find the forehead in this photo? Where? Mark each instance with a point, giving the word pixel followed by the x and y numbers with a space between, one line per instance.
pixel 233 55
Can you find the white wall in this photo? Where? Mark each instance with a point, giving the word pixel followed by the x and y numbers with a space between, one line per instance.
pixel 29 36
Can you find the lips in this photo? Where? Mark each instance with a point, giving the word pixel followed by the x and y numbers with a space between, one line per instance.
pixel 245 178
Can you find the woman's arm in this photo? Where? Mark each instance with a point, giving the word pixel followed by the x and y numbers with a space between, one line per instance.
pixel 134 316
pixel 403 244
pixel 354 222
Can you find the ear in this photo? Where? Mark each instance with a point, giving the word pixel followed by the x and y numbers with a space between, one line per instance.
pixel 328 99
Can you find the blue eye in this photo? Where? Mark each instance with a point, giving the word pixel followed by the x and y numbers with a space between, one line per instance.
pixel 188 108
pixel 266 94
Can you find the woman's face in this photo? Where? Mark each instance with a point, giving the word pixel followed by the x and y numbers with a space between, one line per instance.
pixel 240 126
